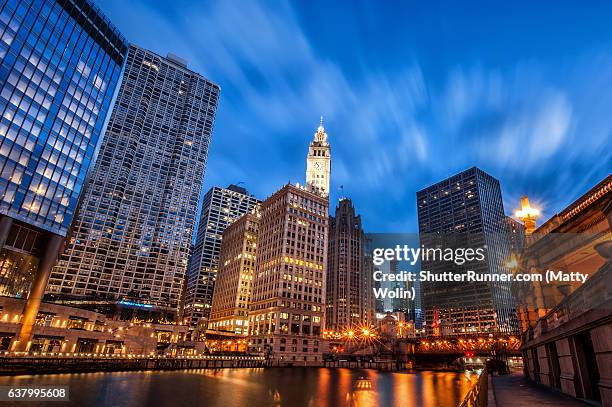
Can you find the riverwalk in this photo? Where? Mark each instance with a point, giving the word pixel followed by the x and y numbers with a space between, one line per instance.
pixel 514 390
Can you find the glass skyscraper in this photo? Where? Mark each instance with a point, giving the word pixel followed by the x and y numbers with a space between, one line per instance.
pixel 60 62
pixel 221 207
pixel 133 230
pixel 466 211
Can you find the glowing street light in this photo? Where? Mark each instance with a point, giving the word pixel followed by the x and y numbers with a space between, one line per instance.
pixel 527 215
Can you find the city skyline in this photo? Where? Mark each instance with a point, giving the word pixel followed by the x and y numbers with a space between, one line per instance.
pixel 473 102
pixel 121 251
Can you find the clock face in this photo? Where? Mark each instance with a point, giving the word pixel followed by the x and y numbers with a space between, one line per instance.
pixel 317 166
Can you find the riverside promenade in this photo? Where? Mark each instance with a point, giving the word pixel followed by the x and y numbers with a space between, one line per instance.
pixel 514 390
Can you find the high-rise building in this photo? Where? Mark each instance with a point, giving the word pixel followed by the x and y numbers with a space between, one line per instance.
pixel 379 302
pixel 60 62
pixel 516 235
pixel 318 162
pixel 346 305
pixel 286 313
pixel 400 304
pixel 221 207
pixel 466 211
pixel 133 230
pixel 232 294
pixel 368 309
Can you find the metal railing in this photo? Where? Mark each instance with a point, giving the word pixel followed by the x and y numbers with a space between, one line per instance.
pixel 478 395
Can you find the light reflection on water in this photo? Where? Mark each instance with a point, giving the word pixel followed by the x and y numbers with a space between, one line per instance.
pixel 277 387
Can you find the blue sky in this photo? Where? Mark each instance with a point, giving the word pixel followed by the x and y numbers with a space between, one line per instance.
pixel 411 92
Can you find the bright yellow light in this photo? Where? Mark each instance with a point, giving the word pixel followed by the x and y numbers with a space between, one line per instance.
pixel 526 211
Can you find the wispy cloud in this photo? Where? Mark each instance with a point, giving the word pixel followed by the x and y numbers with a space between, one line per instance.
pixel 540 126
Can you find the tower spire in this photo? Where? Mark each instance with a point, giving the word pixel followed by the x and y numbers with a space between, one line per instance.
pixel 321 125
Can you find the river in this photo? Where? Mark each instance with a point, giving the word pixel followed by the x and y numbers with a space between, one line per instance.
pixel 277 387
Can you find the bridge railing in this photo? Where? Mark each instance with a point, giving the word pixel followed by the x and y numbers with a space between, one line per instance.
pixel 478 395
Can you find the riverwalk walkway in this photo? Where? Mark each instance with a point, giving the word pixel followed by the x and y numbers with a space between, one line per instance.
pixel 514 390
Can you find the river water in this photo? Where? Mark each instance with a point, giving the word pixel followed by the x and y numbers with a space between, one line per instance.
pixel 277 387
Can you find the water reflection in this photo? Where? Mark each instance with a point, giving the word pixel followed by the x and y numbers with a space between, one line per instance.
pixel 258 387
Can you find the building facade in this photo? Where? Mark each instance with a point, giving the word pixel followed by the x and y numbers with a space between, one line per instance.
pixel 346 305
pixel 516 235
pixel 286 316
pixel 567 326
pixel 221 207
pixel 133 230
pixel 318 162
pixel 367 291
pixel 232 295
pixel 60 62
pixel 466 211
pixel 66 330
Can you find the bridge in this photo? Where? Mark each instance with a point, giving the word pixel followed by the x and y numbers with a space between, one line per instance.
pixel 379 352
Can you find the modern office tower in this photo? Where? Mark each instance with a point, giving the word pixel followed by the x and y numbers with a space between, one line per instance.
pixel 221 207
pixel 60 62
pixel 466 211
pixel 318 162
pixel 133 230
pixel 232 294
pixel 379 302
pixel 345 305
pixel 286 313
pixel 367 291
pixel 516 235
pixel 401 304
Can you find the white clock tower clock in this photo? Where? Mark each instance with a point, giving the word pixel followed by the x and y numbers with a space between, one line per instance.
pixel 318 163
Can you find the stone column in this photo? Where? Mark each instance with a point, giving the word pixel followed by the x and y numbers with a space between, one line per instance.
pixel 544 365
pixel 5 227
pixel 568 375
pixel 37 291
pixel 602 345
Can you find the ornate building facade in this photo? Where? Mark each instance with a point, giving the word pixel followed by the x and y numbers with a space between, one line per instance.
pixel 567 325
pixel 286 313
pixel 346 303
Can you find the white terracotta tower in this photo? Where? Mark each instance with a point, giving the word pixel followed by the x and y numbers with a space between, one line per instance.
pixel 318 163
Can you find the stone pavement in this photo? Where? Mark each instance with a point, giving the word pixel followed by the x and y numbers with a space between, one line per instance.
pixel 514 390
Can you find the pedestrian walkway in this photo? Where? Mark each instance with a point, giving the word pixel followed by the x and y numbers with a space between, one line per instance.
pixel 514 390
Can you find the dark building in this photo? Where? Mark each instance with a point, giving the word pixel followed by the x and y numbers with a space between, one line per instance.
pixel 221 207
pixel 133 230
pixel 379 303
pixel 60 62
pixel 346 305
pixel 466 211
pixel 407 306
pixel 516 235
pixel 368 300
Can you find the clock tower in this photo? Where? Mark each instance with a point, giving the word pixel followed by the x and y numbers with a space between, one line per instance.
pixel 318 163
